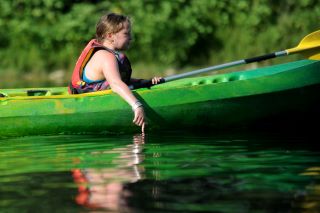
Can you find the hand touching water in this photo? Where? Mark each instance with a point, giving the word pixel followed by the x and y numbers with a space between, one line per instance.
pixel 139 118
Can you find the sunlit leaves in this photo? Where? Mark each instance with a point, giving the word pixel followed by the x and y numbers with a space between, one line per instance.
pixel 49 34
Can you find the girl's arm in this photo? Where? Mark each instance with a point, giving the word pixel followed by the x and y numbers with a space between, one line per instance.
pixel 111 72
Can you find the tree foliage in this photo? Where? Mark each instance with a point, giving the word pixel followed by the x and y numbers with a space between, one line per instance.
pixel 46 35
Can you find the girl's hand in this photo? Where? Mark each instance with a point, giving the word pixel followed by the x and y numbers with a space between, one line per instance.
pixel 139 118
pixel 156 80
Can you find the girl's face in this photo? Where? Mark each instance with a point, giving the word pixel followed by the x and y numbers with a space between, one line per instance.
pixel 123 37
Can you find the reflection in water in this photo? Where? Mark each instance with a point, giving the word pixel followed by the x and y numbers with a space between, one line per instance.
pixel 311 199
pixel 170 173
pixel 103 188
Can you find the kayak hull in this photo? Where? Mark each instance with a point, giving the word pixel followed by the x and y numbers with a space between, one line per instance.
pixel 266 97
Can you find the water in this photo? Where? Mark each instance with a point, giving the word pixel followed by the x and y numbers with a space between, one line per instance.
pixel 165 172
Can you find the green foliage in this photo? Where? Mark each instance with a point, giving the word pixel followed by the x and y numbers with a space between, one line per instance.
pixel 45 35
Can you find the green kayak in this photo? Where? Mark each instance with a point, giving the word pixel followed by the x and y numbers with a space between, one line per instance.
pixel 269 95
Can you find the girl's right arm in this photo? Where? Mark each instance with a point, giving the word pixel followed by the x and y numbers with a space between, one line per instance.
pixel 111 72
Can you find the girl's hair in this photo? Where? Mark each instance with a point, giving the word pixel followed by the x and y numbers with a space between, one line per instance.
pixel 110 23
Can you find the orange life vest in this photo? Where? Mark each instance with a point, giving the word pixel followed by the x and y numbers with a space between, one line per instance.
pixel 77 85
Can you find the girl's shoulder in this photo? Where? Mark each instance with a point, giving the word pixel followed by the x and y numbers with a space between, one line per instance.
pixel 104 55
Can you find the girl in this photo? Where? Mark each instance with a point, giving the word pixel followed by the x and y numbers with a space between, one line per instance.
pixel 101 66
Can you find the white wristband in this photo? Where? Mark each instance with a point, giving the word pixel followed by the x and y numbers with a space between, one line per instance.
pixel 136 105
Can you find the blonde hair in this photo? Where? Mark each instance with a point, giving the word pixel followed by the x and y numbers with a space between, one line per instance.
pixel 110 23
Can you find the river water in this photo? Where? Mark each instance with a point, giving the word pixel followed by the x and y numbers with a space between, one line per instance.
pixel 160 172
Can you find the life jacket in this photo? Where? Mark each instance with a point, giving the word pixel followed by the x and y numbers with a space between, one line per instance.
pixel 77 85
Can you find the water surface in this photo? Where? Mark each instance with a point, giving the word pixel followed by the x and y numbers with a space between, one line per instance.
pixel 164 172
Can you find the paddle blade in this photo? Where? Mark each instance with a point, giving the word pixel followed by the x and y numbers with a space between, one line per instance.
pixel 309 46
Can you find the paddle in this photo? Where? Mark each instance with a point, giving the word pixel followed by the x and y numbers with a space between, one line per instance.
pixel 309 46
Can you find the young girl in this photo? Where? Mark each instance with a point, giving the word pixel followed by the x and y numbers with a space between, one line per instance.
pixel 100 65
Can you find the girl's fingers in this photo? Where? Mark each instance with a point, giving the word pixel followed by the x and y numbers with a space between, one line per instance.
pixel 138 121
pixel 138 117
pixel 135 118
pixel 156 80
pixel 142 128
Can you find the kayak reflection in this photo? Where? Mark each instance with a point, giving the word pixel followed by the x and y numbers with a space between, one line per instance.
pixel 103 188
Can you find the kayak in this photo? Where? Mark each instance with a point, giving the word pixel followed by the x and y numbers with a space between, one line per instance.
pixel 283 93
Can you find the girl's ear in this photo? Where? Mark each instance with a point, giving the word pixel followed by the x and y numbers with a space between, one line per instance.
pixel 109 36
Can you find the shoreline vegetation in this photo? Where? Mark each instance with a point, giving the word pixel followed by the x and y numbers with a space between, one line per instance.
pixel 41 40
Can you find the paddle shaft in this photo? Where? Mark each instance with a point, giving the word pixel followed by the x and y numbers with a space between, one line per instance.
pixel 148 83
pixel 227 65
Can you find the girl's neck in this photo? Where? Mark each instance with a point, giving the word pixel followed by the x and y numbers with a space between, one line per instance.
pixel 108 44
